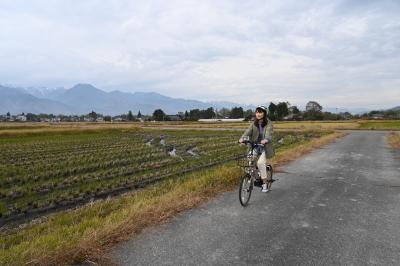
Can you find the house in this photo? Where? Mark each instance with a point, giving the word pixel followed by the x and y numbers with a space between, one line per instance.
pixel 118 119
pixel 88 119
pixel 21 118
pixel 100 119
pixel 174 117
pixel 43 119
pixel 288 117
pixel 75 118
pixel 55 120
pixel 378 116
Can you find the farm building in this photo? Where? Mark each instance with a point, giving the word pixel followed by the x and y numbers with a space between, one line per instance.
pixel 222 120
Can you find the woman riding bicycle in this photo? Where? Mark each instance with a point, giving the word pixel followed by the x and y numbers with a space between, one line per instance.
pixel 261 131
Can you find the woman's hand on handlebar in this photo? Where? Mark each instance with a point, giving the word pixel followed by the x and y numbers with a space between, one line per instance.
pixel 264 141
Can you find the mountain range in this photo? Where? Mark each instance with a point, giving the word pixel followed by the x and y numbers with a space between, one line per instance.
pixel 84 98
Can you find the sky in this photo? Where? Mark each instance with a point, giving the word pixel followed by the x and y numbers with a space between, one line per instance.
pixel 338 53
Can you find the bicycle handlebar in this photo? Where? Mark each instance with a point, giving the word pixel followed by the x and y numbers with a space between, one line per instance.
pixel 252 143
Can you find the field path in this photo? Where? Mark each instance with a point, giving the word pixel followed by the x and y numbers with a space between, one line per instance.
pixel 339 205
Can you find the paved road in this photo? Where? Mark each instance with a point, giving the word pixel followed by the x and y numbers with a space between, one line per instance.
pixel 339 205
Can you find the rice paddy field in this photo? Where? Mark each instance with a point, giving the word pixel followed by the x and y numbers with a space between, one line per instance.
pixel 45 173
pixel 47 167
pixel 68 192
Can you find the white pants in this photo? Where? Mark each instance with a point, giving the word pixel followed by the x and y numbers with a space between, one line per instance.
pixel 261 163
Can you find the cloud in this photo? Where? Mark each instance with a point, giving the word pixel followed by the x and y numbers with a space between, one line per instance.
pixel 338 53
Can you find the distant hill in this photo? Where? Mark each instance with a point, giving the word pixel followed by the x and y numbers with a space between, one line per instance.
pixel 396 109
pixel 83 98
pixel 17 101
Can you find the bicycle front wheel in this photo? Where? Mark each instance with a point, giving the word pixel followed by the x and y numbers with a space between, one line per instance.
pixel 245 189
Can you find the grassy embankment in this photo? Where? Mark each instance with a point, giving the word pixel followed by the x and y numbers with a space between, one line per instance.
pixel 88 232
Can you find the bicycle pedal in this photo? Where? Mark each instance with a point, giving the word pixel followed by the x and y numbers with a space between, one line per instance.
pixel 258 182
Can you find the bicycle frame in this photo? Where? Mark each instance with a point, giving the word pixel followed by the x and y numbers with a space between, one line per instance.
pixel 249 163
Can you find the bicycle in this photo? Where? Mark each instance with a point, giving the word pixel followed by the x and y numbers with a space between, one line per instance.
pixel 251 175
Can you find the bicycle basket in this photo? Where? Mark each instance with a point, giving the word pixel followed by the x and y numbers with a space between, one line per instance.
pixel 244 162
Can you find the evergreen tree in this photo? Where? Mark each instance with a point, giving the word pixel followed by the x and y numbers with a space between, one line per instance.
pixel 248 114
pixel 159 115
pixel 236 112
pixel 92 115
pixel 208 113
pixel 194 114
pixel 272 111
pixel 282 110
pixel 130 116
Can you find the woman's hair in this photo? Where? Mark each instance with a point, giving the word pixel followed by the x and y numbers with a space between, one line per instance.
pixel 264 120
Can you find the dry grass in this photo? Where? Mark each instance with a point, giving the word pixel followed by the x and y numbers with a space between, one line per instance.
pixel 380 124
pixel 286 125
pixel 30 128
pixel 394 139
pixel 89 232
pixel 297 125
pixel 278 125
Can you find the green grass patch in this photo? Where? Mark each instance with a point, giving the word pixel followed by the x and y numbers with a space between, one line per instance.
pixel 383 125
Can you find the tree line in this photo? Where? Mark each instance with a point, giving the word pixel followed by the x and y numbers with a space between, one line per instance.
pixel 276 111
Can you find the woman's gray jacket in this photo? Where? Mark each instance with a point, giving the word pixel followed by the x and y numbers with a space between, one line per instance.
pixel 252 132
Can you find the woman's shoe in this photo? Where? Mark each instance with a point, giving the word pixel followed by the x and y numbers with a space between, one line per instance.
pixel 264 188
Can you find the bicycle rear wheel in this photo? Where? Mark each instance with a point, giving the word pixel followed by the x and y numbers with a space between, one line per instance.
pixel 245 189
